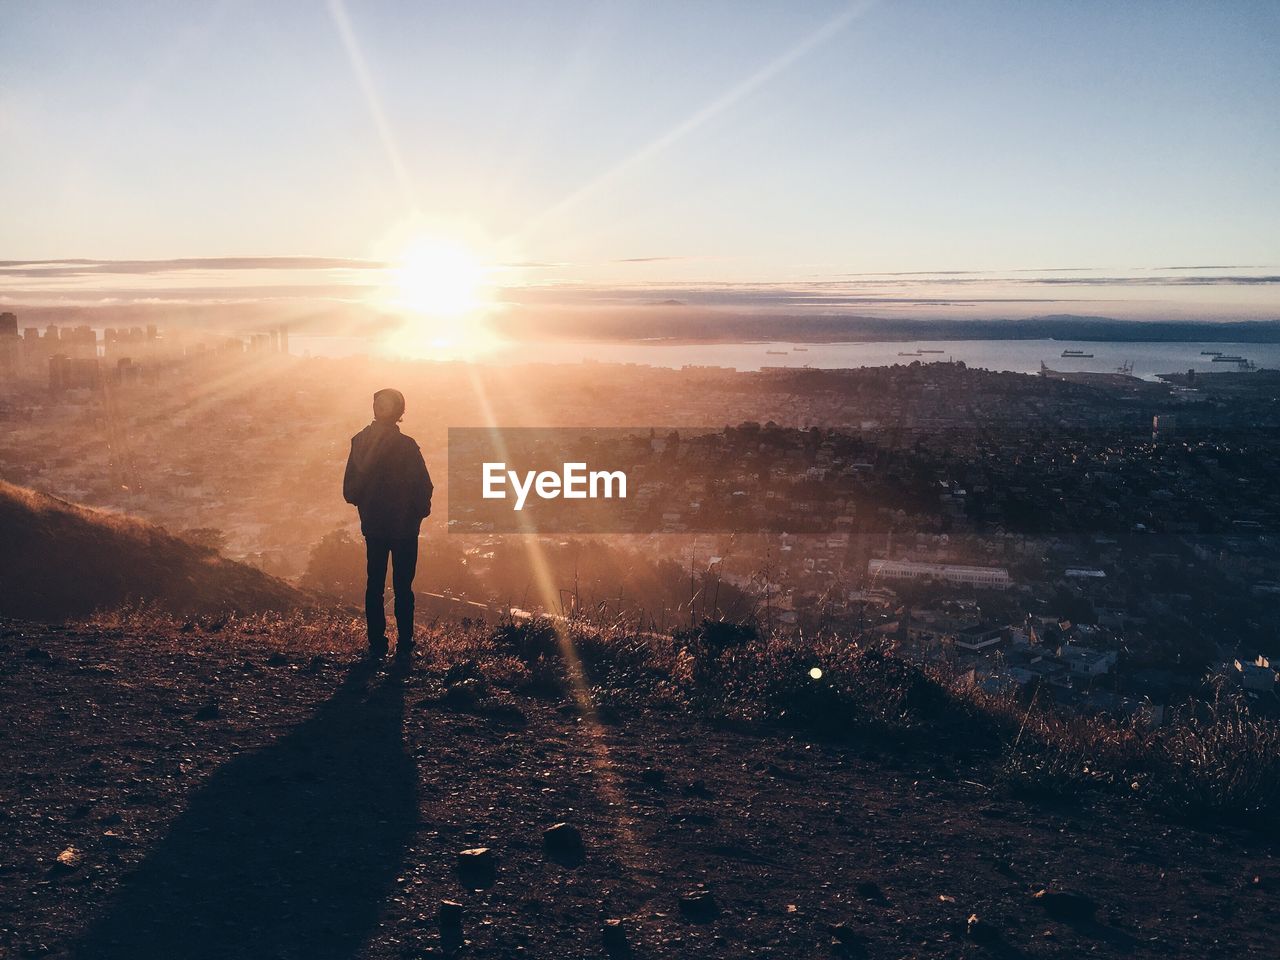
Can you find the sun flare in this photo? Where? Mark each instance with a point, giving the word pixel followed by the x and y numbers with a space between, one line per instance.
pixel 441 278
pixel 442 291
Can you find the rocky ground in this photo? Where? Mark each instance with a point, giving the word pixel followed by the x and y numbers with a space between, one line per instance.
pixel 204 795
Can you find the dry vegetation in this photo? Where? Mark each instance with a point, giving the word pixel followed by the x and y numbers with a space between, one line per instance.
pixel 1213 758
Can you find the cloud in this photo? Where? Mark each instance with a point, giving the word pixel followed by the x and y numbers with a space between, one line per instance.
pixel 72 268
pixel 978 277
pixel 744 296
pixel 1244 280
pixel 194 294
pixel 917 273
pixel 1237 266
pixel 344 279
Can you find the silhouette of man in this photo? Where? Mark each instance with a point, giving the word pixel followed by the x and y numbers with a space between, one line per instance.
pixel 388 482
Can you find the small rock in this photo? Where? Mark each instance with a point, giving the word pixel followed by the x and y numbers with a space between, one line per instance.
pixel 474 856
pixel 449 915
pixel 563 839
pixel 980 931
pixel 614 935
pixel 68 860
pixel 1068 907
pixel 698 906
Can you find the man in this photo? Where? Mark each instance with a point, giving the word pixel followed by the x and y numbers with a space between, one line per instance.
pixel 388 481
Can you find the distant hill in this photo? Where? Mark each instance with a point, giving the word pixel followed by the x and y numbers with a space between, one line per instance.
pixel 693 323
pixel 62 560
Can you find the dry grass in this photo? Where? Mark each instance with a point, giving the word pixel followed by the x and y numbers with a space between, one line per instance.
pixel 1213 759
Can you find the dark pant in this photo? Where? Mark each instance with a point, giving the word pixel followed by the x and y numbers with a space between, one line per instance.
pixel 404 562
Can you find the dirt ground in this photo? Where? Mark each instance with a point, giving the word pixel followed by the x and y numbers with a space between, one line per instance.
pixel 208 797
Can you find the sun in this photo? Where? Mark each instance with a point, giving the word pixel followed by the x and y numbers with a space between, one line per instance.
pixel 440 278
pixel 443 294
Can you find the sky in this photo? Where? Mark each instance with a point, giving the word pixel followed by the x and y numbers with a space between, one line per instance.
pixel 992 158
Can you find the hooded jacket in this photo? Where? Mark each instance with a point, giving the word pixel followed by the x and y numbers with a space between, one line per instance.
pixel 388 482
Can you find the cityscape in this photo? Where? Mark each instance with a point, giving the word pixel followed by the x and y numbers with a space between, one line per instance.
pixel 1110 538
pixel 639 481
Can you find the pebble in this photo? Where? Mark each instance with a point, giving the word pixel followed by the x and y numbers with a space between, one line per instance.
pixel 449 915
pixel 68 860
pixel 563 838
pixel 614 935
pixel 1070 907
pixel 698 906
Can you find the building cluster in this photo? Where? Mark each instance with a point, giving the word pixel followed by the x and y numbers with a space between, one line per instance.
pixel 85 358
pixel 985 578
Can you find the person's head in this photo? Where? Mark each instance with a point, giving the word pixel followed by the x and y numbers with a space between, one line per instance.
pixel 388 405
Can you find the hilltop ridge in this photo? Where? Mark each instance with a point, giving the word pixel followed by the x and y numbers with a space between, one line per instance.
pixel 247 789
pixel 63 560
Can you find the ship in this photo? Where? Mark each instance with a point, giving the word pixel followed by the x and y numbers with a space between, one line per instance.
pixel 914 353
pixel 1123 377
pixel 1210 353
pixel 930 351
pixel 800 349
pixel 1077 354
pixel 1220 358
pixel 776 353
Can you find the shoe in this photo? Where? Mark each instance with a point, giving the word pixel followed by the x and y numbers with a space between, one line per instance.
pixel 404 649
pixel 377 650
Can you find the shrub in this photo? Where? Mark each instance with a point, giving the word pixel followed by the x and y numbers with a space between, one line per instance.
pixel 1218 758
pixel 1214 758
pixel 528 639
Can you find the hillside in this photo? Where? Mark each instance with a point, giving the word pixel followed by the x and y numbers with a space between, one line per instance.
pixel 62 560
pixel 255 792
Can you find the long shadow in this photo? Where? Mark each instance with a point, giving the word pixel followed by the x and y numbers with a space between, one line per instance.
pixel 286 852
